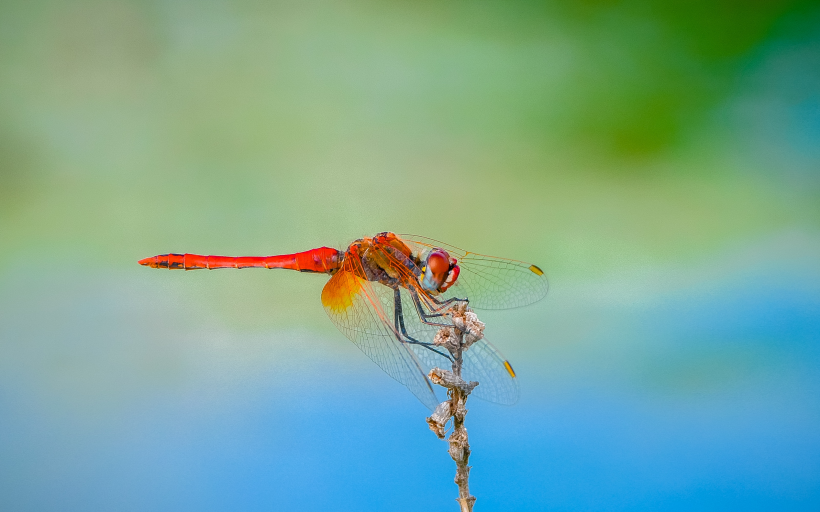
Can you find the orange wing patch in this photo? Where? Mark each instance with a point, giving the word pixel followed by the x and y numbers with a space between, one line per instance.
pixel 339 292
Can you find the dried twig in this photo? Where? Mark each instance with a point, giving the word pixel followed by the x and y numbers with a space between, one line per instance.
pixel 468 329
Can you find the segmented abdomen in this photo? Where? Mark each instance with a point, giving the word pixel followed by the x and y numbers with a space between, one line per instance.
pixel 323 259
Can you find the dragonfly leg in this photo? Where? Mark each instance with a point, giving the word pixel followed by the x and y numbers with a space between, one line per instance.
pixel 398 318
pixel 437 310
pixel 442 304
pixel 425 316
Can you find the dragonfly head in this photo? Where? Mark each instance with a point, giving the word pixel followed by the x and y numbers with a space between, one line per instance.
pixel 439 271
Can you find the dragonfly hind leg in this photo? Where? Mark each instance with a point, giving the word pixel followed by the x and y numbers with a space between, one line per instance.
pixel 398 319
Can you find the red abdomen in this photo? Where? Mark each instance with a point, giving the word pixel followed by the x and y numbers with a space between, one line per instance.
pixel 323 259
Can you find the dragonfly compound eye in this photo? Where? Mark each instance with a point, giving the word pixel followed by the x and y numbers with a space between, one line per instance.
pixel 436 269
pixel 452 276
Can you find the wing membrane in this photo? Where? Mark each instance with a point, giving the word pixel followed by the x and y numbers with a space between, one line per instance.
pixel 487 281
pixel 482 362
pixel 356 309
pixel 365 312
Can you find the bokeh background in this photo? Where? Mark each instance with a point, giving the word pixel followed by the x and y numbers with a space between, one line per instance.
pixel 660 160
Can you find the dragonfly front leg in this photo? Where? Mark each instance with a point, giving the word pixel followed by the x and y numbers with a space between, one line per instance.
pixel 448 301
pixel 425 316
pixel 443 304
pixel 438 309
pixel 398 318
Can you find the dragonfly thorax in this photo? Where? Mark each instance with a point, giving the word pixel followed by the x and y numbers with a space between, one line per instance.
pixel 387 259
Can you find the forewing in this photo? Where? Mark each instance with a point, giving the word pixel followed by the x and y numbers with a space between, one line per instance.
pixel 353 305
pixel 487 281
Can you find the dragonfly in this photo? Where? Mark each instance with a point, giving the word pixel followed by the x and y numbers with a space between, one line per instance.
pixel 390 294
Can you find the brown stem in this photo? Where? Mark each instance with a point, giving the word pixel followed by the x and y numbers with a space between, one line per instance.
pixel 460 450
pixel 457 390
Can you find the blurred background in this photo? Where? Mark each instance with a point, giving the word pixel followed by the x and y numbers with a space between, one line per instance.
pixel 659 160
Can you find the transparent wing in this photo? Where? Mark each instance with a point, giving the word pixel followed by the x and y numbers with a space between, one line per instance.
pixel 354 306
pixel 487 281
pixel 486 365
pixel 482 362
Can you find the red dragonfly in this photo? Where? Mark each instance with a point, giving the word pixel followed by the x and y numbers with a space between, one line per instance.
pixel 390 294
